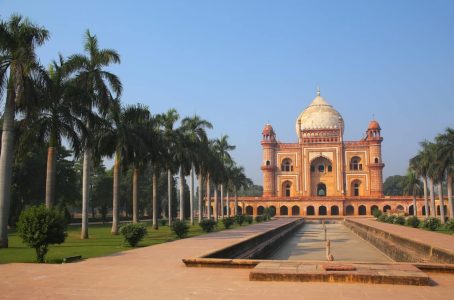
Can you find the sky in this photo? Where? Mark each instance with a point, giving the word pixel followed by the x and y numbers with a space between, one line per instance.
pixel 241 64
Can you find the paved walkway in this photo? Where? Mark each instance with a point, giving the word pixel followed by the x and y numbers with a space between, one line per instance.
pixel 435 239
pixel 157 272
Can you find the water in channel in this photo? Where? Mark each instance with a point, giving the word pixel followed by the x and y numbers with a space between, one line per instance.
pixel 308 244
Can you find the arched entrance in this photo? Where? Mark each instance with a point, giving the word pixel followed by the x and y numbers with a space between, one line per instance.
pixel 334 210
pixel 386 208
pixel 287 189
pixel 249 210
pixel 310 211
pixel 284 211
pixel 322 210
pixel 355 188
pixel 260 210
pixel 362 210
pixel 322 176
pixel 400 208
pixel 295 210
pixel 272 210
pixel 373 208
pixel 349 210
pixel 321 190
pixel 411 211
pixel 239 210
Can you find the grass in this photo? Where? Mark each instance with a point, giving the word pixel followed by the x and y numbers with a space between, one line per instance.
pixel 100 243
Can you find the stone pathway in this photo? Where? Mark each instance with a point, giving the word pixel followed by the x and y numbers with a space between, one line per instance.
pixel 157 272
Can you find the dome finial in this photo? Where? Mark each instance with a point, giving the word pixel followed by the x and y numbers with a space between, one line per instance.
pixel 318 91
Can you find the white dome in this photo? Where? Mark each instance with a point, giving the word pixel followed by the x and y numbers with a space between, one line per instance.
pixel 319 115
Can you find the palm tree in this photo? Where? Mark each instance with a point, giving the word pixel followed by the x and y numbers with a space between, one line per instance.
pixel 412 186
pixel 446 154
pixel 239 181
pixel 124 139
pixel 97 84
pixel 18 63
pixel 429 154
pixel 55 119
pixel 420 165
pixel 167 121
pixel 222 148
pixel 195 128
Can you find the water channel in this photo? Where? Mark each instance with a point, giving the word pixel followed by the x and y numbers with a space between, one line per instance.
pixel 308 243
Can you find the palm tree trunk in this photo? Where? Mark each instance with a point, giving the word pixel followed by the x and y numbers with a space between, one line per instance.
pixel 181 194
pixel 228 203
pixel 6 165
pixel 236 202
pixel 155 200
pixel 208 197
pixel 216 204
pixel 85 192
pixel 433 211
pixel 135 195
pixel 116 192
pixel 191 195
pixel 450 201
pixel 414 206
pixel 222 200
pixel 426 200
pixel 50 176
pixel 169 195
pixel 199 195
pixel 442 202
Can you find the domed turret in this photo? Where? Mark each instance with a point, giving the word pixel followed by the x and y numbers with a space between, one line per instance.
pixel 268 133
pixel 319 115
pixel 373 125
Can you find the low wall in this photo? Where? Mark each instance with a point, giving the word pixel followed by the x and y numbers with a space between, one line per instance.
pixel 259 246
pixel 398 248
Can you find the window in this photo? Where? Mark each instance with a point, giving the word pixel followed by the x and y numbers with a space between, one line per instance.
pixel 287 190
pixel 355 164
pixel 330 168
pixel 312 168
pixel 356 189
pixel 287 165
pixel 268 163
pixel 376 160
pixel 321 168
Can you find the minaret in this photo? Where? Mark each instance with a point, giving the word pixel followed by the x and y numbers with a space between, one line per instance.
pixel 269 161
pixel 375 159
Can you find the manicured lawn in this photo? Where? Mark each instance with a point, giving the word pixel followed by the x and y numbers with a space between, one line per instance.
pixel 100 243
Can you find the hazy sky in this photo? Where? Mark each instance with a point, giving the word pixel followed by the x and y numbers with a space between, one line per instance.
pixel 242 63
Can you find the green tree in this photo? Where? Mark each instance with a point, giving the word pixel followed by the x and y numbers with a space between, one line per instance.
pixel 446 154
pixel 394 185
pixel 97 84
pixel 412 186
pixel 18 64
pixel 222 148
pixel 40 227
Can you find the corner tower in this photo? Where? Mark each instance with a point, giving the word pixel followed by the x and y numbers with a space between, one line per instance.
pixel 269 161
pixel 376 165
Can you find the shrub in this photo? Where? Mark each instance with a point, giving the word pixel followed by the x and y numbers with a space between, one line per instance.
pixel 399 220
pixel 40 227
pixel 239 219
pixel 382 218
pixel 248 219
pixel 133 233
pixel 377 213
pixel 207 225
pixel 449 225
pixel 163 222
pixel 180 228
pixel 228 222
pixel 431 223
pixel 259 218
pixel 390 219
pixel 412 221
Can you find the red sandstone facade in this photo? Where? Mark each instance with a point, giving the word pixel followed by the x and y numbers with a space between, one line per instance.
pixel 321 174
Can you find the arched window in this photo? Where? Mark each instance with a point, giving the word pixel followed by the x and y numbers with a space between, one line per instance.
pixel 376 160
pixel 312 169
pixel 321 190
pixel 321 168
pixel 356 188
pixel 330 168
pixel 287 165
pixel 287 189
pixel 355 163
pixel 267 163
